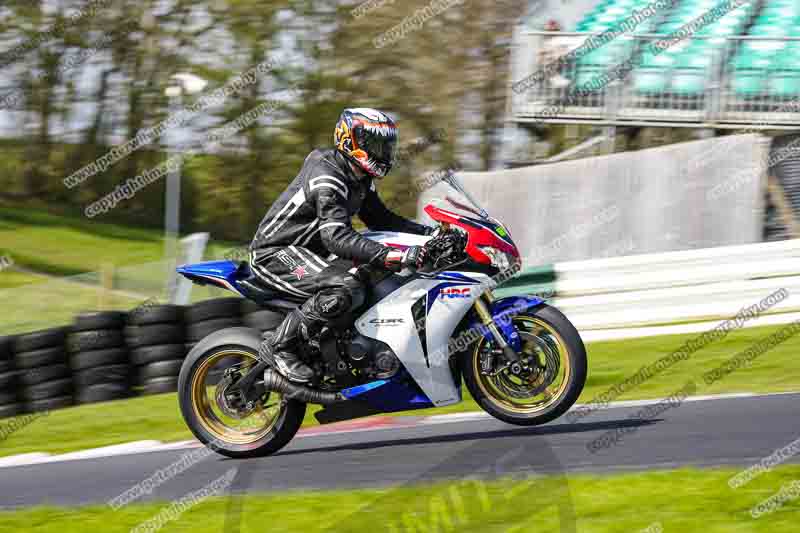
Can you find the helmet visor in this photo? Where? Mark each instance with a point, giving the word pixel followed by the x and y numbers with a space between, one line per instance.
pixel 379 141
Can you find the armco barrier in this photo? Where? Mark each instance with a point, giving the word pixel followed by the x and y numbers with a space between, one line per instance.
pixel 670 287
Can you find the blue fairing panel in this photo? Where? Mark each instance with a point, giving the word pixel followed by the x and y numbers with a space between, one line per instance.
pixel 388 395
pixel 502 310
pixel 220 273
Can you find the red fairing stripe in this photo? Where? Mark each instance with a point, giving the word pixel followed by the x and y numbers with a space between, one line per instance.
pixel 475 236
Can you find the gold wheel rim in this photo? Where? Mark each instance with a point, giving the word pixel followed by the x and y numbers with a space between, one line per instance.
pixel 241 431
pixel 548 340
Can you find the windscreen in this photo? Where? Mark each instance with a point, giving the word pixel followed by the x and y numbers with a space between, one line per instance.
pixel 460 198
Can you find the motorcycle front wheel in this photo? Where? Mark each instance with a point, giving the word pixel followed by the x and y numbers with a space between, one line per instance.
pixel 544 384
pixel 224 420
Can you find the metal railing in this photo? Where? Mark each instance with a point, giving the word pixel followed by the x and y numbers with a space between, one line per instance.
pixel 696 81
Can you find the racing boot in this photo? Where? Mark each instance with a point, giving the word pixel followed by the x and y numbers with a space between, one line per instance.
pixel 280 349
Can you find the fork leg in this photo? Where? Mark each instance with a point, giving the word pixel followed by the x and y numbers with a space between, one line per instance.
pixel 486 319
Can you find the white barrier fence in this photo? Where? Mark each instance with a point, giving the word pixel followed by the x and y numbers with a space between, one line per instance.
pixel 674 287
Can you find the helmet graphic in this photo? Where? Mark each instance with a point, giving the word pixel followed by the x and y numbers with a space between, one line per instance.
pixel 368 138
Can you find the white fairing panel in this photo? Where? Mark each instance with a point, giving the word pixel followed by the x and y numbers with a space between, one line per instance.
pixel 389 238
pixel 442 301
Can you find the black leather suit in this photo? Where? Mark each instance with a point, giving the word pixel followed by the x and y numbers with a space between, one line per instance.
pixel 310 223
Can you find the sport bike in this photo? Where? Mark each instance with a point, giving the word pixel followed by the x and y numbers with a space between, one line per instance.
pixel 417 336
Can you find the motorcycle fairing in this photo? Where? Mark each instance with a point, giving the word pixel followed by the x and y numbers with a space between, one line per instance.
pixel 223 274
pixel 503 308
pixel 395 239
pixel 480 232
pixel 388 395
pixel 417 321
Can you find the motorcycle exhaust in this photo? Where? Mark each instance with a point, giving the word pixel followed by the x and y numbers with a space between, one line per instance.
pixel 273 381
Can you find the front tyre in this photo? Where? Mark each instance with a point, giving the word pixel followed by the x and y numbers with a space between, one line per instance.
pixel 225 421
pixel 544 386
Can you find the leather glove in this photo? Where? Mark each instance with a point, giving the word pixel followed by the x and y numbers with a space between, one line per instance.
pixel 412 257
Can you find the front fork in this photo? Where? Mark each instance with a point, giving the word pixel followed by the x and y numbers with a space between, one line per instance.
pixel 482 304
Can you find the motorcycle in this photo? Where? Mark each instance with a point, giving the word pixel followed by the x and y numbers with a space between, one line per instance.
pixel 418 335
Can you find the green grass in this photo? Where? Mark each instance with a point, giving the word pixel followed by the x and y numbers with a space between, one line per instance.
pixel 66 246
pixel 158 418
pixel 685 501
pixel 11 278
pixel 56 260
pixel 54 302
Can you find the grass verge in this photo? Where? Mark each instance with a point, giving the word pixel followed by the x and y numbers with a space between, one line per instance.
pixel 158 417
pixel 686 500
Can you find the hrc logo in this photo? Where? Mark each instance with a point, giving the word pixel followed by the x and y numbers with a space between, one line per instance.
pixel 455 292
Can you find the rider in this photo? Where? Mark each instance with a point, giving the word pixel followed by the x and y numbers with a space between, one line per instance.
pixel 294 247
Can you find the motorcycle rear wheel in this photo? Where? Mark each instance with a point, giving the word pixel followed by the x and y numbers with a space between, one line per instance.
pixel 556 364
pixel 228 428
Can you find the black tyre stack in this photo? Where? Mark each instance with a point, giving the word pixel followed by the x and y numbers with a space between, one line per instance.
pixel 99 357
pixel 156 337
pixel 10 402
pixel 40 358
pixel 208 316
pixel 255 316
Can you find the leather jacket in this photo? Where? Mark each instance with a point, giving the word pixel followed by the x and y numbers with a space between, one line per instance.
pixel 315 212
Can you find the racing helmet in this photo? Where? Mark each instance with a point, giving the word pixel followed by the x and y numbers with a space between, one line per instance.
pixel 368 138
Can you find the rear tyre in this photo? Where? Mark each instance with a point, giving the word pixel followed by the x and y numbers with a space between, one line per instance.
pixel 556 364
pixel 48 404
pixel 34 376
pixel 88 341
pixel 264 320
pixel 37 340
pixel 160 385
pixel 85 360
pixel 199 330
pixel 151 335
pixel 102 392
pixel 156 314
pixel 160 369
pixel 48 389
pixel 162 352
pixel 221 422
pixel 213 309
pixel 11 409
pixel 37 358
pixel 99 320
pixel 102 374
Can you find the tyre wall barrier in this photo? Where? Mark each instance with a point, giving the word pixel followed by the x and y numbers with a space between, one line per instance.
pixel 109 355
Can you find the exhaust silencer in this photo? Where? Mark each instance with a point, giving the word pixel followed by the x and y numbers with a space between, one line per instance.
pixel 273 381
